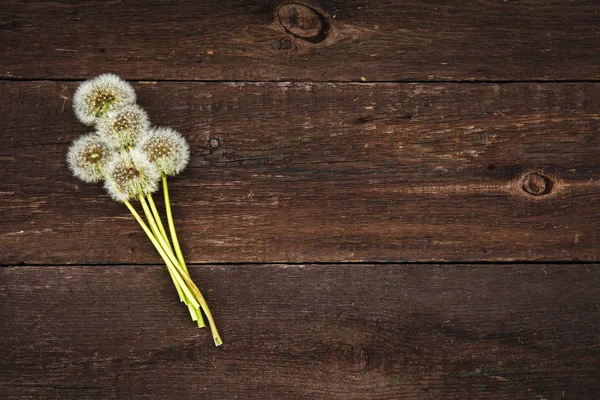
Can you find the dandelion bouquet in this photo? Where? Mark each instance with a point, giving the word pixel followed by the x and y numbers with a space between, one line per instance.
pixel 133 158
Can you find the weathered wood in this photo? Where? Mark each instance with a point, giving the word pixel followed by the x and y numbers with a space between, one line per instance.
pixel 316 40
pixel 303 332
pixel 322 172
pixel 311 172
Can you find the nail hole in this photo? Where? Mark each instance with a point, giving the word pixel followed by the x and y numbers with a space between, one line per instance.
pixel 282 44
pixel 536 184
pixel 214 142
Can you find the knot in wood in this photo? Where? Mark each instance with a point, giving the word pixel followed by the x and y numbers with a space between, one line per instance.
pixel 302 21
pixel 351 358
pixel 536 184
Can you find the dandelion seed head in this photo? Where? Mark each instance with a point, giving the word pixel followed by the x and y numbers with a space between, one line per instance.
pixel 96 97
pixel 166 148
pixel 121 127
pixel 88 157
pixel 130 174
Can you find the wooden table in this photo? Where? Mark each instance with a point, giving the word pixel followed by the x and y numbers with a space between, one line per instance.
pixel 386 200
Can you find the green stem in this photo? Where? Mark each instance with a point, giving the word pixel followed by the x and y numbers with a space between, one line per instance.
pixel 174 238
pixel 203 304
pixel 156 234
pixel 158 219
pixel 175 269
pixel 211 321
pixel 195 313
pixel 161 239
pixel 172 223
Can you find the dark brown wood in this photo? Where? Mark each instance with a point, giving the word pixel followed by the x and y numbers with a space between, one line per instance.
pixel 322 172
pixel 316 40
pixel 303 332
pixel 488 158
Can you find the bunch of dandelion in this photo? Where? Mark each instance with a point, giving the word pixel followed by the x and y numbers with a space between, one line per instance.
pixel 132 159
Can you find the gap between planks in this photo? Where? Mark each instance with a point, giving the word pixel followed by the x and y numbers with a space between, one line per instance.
pixel 341 81
pixel 284 264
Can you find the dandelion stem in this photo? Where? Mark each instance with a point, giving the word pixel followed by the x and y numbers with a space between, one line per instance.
pixel 156 234
pixel 154 227
pixel 211 321
pixel 174 237
pixel 172 223
pixel 195 313
pixel 200 298
pixel 157 219
pixel 175 268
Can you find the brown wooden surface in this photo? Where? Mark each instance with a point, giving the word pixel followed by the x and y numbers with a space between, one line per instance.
pixel 323 172
pixel 383 40
pixel 303 332
pixel 412 133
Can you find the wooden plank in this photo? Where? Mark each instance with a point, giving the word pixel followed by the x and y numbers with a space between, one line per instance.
pixel 322 172
pixel 319 40
pixel 303 332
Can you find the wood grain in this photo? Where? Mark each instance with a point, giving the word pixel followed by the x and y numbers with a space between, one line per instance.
pixel 317 40
pixel 303 332
pixel 311 160
pixel 322 172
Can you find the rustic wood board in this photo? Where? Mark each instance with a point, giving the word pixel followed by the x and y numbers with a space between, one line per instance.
pixel 322 173
pixel 303 332
pixel 339 150
pixel 321 41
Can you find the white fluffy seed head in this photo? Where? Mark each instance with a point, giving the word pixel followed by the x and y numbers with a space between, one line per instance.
pixel 166 148
pixel 88 157
pixel 122 126
pixel 96 97
pixel 130 174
